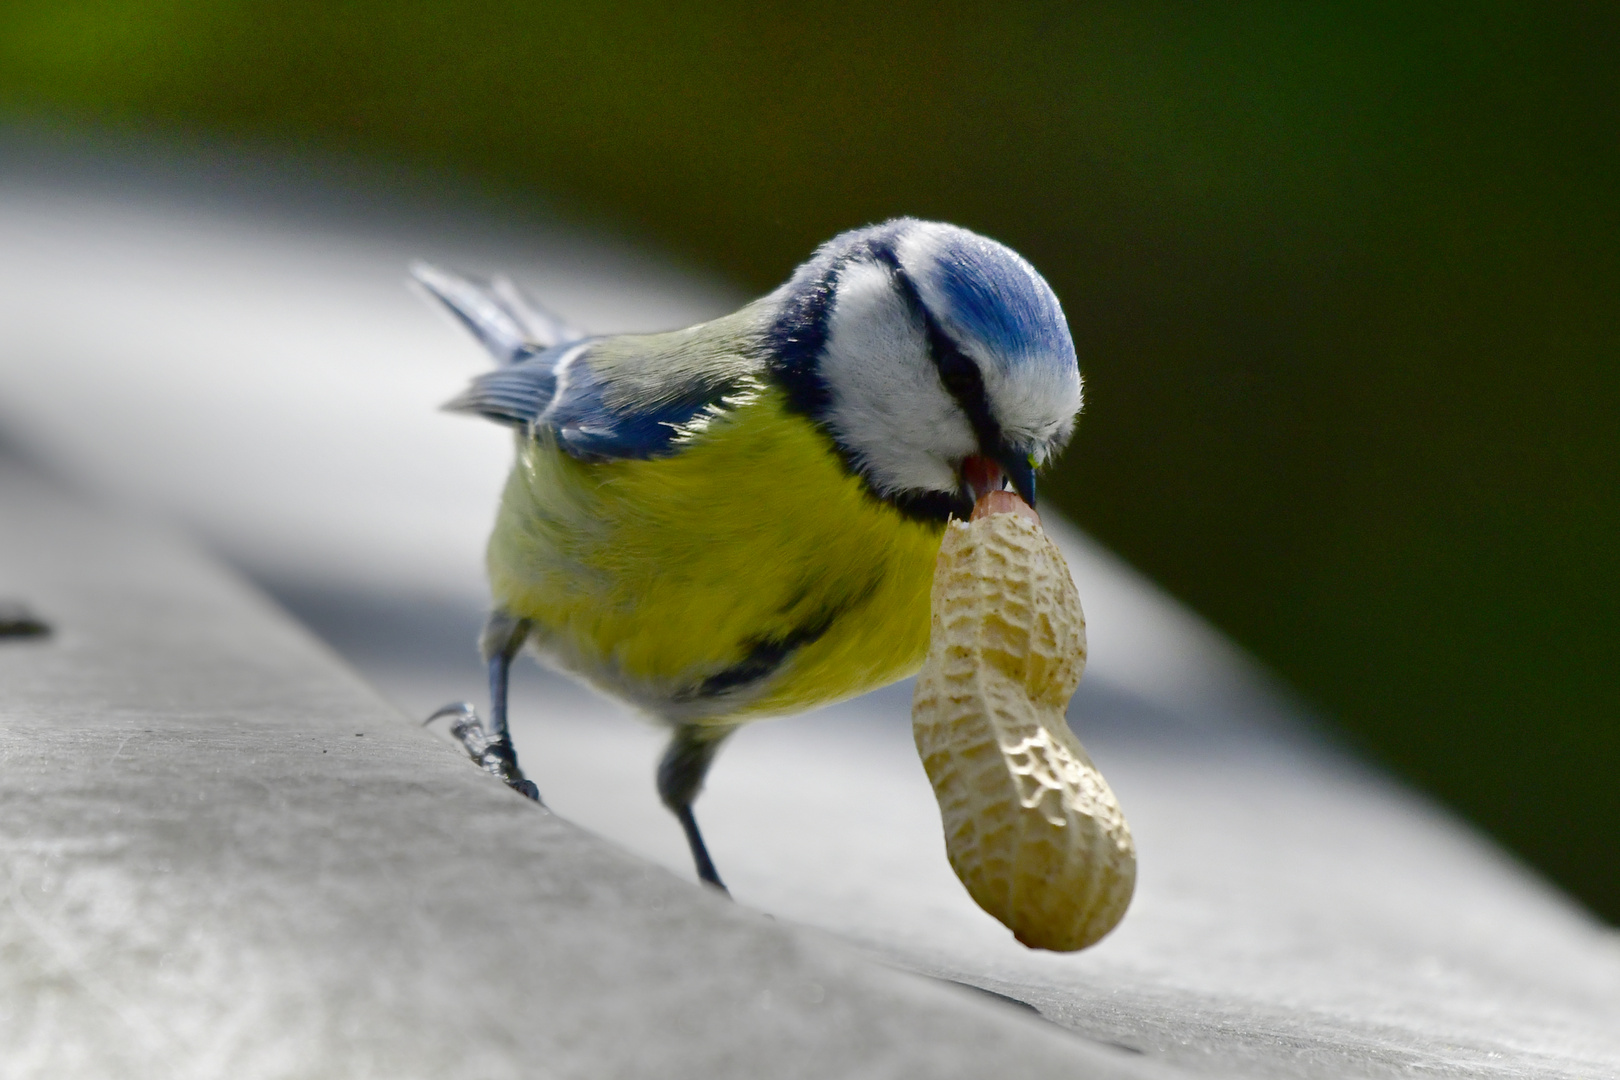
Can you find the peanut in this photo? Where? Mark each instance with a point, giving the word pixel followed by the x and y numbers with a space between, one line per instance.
pixel 1031 828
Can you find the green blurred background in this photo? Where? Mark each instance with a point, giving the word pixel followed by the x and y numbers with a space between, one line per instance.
pixel 1344 280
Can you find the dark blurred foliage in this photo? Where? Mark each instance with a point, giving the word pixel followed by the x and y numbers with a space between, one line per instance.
pixel 1343 279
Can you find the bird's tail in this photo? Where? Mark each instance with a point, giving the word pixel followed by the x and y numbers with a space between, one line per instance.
pixel 510 325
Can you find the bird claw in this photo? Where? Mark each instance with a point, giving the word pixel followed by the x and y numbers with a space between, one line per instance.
pixel 492 753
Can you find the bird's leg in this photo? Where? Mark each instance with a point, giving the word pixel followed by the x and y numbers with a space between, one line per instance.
pixel 490 745
pixel 680 777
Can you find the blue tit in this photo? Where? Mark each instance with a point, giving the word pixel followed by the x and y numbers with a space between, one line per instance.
pixel 740 519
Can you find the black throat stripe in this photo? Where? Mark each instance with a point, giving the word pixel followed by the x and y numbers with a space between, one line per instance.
pixel 799 334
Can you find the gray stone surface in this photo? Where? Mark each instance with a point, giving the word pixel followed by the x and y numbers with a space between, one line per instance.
pixel 1296 914
pixel 224 856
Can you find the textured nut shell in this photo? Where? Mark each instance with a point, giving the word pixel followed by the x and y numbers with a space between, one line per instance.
pixel 1031 827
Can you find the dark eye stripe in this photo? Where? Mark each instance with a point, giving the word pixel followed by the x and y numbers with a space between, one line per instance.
pixel 960 375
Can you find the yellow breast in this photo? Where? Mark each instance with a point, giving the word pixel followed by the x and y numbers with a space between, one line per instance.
pixel 749 575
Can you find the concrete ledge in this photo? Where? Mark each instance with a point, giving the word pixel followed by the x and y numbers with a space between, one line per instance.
pixel 224 856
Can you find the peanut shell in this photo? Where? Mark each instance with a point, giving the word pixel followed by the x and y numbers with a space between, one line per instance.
pixel 1031 828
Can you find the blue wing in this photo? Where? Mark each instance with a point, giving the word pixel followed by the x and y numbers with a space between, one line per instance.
pixel 516 395
pixel 581 417
pixel 617 397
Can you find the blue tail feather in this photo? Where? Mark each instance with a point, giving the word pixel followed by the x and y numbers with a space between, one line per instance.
pixel 510 325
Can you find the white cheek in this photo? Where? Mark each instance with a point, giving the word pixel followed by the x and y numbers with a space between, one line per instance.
pixel 888 406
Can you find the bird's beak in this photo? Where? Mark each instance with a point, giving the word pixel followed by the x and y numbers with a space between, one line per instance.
pixel 1020 469
pixel 981 474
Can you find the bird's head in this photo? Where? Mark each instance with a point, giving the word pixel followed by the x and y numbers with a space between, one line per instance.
pixel 938 361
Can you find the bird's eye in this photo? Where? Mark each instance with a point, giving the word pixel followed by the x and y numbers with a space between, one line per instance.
pixel 958 374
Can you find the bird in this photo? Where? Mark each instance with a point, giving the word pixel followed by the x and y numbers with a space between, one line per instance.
pixel 740 519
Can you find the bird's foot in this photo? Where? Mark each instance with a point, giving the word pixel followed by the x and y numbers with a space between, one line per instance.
pixel 492 753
